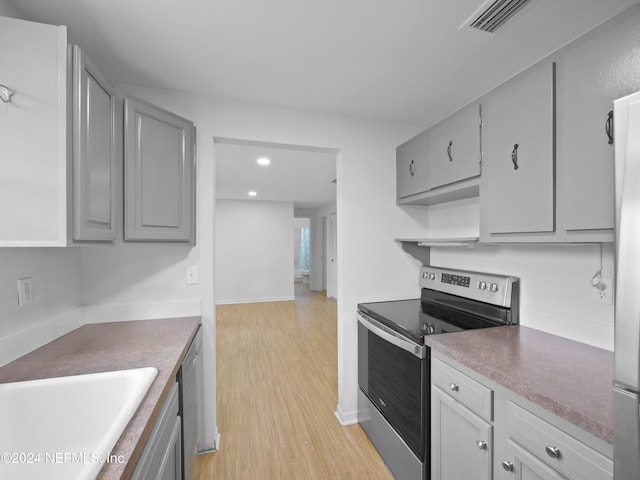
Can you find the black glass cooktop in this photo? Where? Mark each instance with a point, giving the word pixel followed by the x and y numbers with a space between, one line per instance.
pixel 434 313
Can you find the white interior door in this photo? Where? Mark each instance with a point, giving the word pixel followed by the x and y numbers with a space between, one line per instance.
pixel 332 257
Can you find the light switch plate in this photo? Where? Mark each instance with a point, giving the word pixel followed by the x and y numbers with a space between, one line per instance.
pixel 25 291
pixel 192 275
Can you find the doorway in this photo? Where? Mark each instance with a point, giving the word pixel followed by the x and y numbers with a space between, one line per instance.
pixel 262 189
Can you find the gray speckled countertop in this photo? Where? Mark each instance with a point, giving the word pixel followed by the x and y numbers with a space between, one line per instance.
pixel 570 379
pixel 103 347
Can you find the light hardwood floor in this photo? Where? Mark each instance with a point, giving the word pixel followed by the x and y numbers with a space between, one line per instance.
pixel 277 391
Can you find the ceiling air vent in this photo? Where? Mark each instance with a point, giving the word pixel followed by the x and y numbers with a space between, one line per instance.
pixel 493 14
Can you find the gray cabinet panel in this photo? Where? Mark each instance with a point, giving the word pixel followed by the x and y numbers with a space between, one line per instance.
pixel 454 148
pixel 592 74
pixel 412 166
pixel 528 467
pixel 94 158
pixel 162 454
pixel 461 441
pixel 159 174
pixel 520 155
pixel 34 165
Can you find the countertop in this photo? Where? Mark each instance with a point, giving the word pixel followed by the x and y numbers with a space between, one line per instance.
pixel 570 379
pixel 103 347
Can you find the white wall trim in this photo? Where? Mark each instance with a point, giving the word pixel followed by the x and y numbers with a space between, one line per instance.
pixel 346 418
pixel 254 300
pixel 143 311
pixel 21 342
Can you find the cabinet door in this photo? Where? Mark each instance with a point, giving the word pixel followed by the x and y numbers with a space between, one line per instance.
pixel 520 158
pixel 521 465
pixel 94 158
pixel 170 466
pixel 461 442
pixel 33 126
pixel 596 71
pixel 159 174
pixel 454 148
pixel 412 172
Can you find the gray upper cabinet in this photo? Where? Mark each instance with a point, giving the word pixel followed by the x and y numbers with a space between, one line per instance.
pixel 33 121
pixel 412 167
pixel 454 148
pixel 443 163
pixel 94 157
pixel 159 174
pixel 592 73
pixel 519 121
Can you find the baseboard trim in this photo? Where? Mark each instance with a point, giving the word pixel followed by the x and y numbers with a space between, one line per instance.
pixel 346 418
pixel 254 300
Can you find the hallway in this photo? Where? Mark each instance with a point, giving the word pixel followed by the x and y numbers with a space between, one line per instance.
pixel 277 391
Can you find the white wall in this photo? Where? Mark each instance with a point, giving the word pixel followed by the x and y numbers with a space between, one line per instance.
pixel 372 264
pixel 55 274
pixel 254 251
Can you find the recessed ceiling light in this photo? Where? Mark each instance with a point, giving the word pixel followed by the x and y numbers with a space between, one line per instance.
pixel 252 193
pixel 264 161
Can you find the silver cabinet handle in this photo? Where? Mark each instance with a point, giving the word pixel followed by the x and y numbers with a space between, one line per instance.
pixel 553 452
pixel 454 387
pixel 608 127
pixel 514 156
pixel 5 93
pixel 411 168
pixel 449 151
pixel 507 465
pixel 481 444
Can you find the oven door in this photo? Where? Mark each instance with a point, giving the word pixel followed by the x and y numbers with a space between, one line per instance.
pixel 393 374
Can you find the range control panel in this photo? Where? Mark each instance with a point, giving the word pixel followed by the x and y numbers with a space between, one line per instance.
pixel 486 287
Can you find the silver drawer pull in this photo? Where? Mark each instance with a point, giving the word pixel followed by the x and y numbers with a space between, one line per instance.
pixel 553 452
pixel 454 387
pixel 507 465
pixel 482 445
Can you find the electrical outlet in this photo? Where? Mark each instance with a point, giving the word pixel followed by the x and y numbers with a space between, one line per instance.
pixel 25 291
pixel 192 275
pixel 604 295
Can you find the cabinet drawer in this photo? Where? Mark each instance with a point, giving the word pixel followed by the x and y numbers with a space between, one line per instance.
pixel 554 447
pixel 472 394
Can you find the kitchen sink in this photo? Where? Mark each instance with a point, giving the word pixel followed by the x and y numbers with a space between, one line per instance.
pixel 65 427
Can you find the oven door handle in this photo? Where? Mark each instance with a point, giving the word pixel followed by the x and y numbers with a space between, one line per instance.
pixel 383 332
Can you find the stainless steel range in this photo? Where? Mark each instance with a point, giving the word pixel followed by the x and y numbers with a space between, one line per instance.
pixel 394 362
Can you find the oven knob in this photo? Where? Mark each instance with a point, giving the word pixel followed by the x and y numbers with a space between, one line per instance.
pixel 432 276
pixel 482 285
pixel 494 287
pixel 425 275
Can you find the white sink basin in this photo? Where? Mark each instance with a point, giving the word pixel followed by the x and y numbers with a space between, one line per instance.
pixel 65 427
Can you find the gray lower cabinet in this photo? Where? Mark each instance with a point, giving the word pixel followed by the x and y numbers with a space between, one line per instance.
pixel 481 430
pixel 462 441
pixel 519 158
pixel 159 168
pixel 522 465
pixel 94 157
pixel 162 455
pixel 191 380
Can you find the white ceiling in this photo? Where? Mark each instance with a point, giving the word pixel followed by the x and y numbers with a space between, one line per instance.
pixel 296 174
pixel 399 60
pixel 394 60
